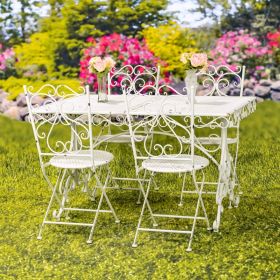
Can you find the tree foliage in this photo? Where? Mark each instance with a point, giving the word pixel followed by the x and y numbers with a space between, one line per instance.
pixel 18 19
pixel 70 22
pixel 259 16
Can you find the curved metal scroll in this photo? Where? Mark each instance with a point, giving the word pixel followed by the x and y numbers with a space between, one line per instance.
pixel 218 80
pixel 53 115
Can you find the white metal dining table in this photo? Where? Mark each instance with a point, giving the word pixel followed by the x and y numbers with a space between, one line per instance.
pixel 224 111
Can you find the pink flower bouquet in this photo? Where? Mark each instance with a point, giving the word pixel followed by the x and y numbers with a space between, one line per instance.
pixel 194 61
pixel 99 66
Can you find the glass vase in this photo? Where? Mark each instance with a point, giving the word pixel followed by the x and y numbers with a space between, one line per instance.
pixel 191 81
pixel 102 88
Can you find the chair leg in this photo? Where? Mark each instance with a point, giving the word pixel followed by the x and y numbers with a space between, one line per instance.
pixel 54 195
pixel 148 204
pixel 106 197
pixel 183 188
pixel 199 201
pixel 189 249
pixel 89 241
pixel 145 203
pixel 103 194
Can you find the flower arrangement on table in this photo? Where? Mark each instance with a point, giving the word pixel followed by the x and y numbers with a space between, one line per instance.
pixel 194 61
pixel 101 67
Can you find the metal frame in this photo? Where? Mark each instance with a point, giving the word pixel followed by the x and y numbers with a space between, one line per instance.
pixel 216 116
pixel 126 76
pixel 217 79
pixel 164 156
pixel 75 157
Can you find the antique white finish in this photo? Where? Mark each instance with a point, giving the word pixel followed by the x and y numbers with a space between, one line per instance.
pixel 223 111
pixel 217 80
pixel 74 155
pixel 232 108
pixel 141 77
pixel 164 157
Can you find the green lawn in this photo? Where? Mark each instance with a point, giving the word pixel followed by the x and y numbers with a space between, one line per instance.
pixel 247 247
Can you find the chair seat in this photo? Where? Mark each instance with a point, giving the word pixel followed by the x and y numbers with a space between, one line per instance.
pixel 168 164
pixel 214 140
pixel 80 160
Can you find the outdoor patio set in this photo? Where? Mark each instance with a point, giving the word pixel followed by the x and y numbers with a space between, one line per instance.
pixel 166 131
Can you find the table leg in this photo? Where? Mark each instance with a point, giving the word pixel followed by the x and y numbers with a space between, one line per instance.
pixel 225 171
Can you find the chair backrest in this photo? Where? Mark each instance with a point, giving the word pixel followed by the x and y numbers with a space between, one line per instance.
pixel 165 136
pixel 142 77
pixel 58 125
pixel 222 79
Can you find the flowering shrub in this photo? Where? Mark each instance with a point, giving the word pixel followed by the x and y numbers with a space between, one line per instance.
pixel 274 42
pixel 168 42
pixel 274 39
pixel 7 61
pixel 241 48
pixel 124 50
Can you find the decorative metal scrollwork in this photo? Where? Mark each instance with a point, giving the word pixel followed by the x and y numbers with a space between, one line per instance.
pixel 55 115
pixel 218 80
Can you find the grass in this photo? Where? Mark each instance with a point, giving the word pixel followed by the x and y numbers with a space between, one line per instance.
pixel 247 247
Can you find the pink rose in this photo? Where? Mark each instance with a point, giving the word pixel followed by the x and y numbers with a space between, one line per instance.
pixel 100 66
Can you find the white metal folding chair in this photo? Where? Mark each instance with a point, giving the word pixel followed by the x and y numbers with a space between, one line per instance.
pixel 154 155
pixel 139 76
pixel 64 141
pixel 145 80
pixel 218 80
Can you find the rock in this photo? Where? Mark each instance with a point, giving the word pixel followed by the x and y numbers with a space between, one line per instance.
pixel 200 87
pixel 26 118
pixel 3 95
pixel 235 92
pixel 246 84
pixel 202 92
pixel 275 95
pixel 21 100
pixel 13 113
pixel 37 100
pixel 23 112
pixel 251 84
pixel 259 99
pixel 265 83
pixel 262 91
pixel 179 86
pixel 248 92
pixel 226 90
pixel 6 104
pixel 276 86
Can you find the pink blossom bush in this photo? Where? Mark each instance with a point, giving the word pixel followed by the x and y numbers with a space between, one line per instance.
pixel 7 61
pixel 240 48
pixel 274 39
pixel 124 50
pixel 274 42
